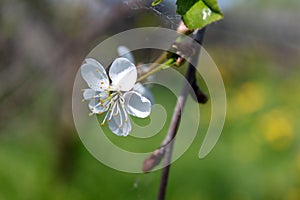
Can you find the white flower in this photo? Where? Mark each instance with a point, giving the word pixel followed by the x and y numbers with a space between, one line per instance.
pixel 115 97
pixel 124 52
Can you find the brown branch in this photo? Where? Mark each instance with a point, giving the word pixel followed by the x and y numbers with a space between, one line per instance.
pixel 166 148
pixel 155 158
pixel 190 74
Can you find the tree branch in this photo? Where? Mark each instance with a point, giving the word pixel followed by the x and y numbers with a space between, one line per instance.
pixel 190 76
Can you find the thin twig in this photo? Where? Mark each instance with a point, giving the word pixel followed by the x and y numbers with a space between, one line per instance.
pixel 160 59
pixel 176 119
pixel 156 65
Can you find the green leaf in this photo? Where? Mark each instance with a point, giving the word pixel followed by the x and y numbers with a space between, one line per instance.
pixel 184 5
pixel 156 2
pixel 198 13
pixel 168 63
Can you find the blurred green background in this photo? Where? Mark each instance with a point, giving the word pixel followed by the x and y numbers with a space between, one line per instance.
pixel 257 50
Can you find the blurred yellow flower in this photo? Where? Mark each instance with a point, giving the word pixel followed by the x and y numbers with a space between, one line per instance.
pixel 293 194
pixel 278 129
pixel 298 163
pixel 250 98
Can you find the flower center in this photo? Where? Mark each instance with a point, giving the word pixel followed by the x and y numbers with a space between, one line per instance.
pixel 115 103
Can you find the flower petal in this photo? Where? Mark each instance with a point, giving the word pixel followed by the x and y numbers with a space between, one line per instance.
pixel 144 91
pixel 94 75
pixel 137 105
pixel 120 124
pixel 123 74
pixel 95 98
pixel 125 53
pixel 97 107
pixel 92 94
pixel 89 94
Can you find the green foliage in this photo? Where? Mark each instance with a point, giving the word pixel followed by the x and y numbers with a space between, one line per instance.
pixel 198 13
pixel 184 5
pixel 156 2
